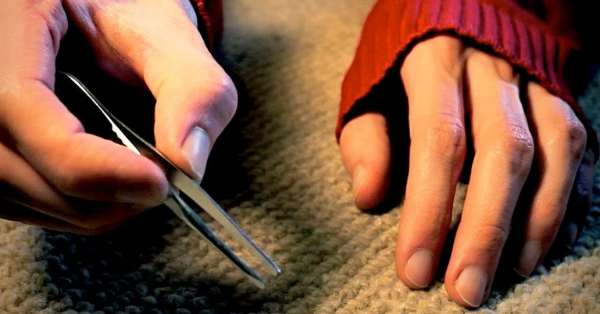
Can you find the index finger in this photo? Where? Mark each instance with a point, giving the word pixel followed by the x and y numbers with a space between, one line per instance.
pixel 55 144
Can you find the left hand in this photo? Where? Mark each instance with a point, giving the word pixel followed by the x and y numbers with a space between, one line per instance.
pixel 534 154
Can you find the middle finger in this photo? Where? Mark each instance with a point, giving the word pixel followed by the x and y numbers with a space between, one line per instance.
pixel 504 151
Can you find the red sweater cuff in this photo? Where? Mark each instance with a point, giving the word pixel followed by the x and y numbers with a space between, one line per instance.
pixel 210 20
pixel 394 26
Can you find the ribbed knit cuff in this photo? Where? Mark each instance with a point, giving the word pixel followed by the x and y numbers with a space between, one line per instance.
pixel 394 26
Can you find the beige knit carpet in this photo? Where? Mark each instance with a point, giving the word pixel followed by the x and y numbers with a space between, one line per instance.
pixel 278 172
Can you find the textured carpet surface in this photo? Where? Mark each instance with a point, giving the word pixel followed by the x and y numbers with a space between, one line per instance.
pixel 278 172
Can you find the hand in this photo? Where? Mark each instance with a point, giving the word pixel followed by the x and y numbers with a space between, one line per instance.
pixel 66 179
pixel 534 154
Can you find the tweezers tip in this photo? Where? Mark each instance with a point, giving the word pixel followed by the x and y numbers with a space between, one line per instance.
pixel 258 281
pixel 275 270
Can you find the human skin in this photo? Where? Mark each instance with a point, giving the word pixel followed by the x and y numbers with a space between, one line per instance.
pixel 540 148
pixel 65 179
pixel 55 169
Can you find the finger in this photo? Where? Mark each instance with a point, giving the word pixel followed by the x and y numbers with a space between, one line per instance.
pixel 78 164
pixel 504 150
pixel 190 115
pixel 560 145
pixel 578 207
pixel 195 98
pixel 97 20
pixel 437 153
pixel 23 185
pixel 580 199
pixel 20 213
pixel 365 151
pixel 32 31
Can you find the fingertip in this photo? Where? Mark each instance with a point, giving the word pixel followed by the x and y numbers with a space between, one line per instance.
pixel 148 191
pixel 469 288
pixel 135 179
pixel 529 258
pixel 190 116
pixel 402 276
pixel 89 167
pixel 155 184
pixel 571 234
pixel 365 151
pixel 195 150
pixel 368 187
pixel 418 270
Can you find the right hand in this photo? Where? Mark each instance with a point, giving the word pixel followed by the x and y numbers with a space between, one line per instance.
pixel 530 174
pixel 65 179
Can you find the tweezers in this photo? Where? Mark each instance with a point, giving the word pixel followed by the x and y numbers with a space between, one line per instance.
pixel 180 183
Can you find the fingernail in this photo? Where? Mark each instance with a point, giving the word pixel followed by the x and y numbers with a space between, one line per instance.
pixel 358 180
pixel 471 284
pixel 139 197
pixel 418 268
pixel 530 256
pixel 572 233
pixel 196 148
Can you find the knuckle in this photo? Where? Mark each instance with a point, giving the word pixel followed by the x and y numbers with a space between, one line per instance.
pixel 55 17
pixel 450 62
pixel 565 132
pixel 574 134
pixel 221 90
pixel 443 51
pixel 568 135
pixel 447 42
pixel 504 70
pixel 516 144
pixel 478 58
pixel 496 64
pixel 447 138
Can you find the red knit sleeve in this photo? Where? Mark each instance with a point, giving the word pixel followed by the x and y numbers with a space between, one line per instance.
pixel 532 35
pixel 210 20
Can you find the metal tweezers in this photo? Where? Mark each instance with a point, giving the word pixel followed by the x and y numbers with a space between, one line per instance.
pixel 180 183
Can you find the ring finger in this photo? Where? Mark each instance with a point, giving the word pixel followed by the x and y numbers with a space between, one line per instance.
pixel 560 145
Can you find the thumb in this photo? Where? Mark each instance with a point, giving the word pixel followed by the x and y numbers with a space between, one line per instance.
pixel 159 42
pixel 192 110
